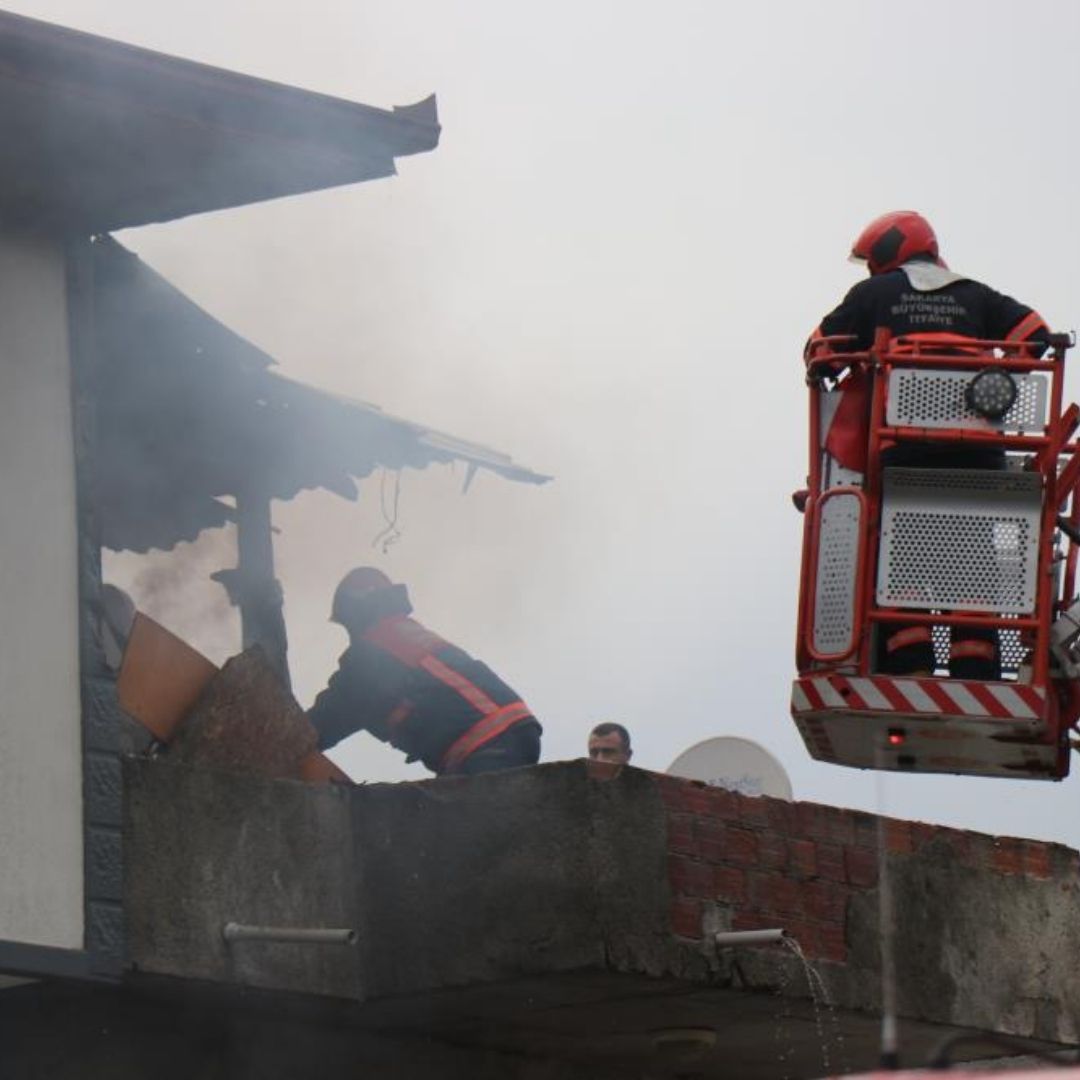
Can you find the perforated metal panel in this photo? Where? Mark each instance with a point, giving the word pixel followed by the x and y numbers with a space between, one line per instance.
pixel 935 399
pixel 834 474
pixel 959 540
pixel 838 556
pixel 1010 650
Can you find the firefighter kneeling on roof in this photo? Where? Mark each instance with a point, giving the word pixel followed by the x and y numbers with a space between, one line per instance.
pixel 416 691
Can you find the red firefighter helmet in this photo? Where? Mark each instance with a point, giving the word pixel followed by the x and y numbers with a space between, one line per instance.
pixel 892 239
pixel 355 585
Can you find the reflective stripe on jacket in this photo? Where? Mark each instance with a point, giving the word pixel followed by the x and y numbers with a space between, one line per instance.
pixel 408 686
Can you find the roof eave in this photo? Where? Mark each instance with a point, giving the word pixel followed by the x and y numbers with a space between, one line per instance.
pixel 97 135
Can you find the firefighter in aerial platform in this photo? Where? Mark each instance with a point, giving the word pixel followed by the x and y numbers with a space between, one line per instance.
pixel 409 687
pixel 911 292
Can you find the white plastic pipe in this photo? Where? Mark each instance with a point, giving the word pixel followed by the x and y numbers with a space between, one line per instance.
pixel 749 937
pixel 299 935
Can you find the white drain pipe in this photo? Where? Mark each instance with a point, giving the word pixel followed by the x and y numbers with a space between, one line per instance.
pixel 299 935
pixel 731 938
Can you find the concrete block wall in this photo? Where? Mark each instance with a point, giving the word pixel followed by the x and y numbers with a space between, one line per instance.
pixel 747 863
pixel 572 868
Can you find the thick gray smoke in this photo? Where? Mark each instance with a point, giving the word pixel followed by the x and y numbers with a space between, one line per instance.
pixel 608 268
pixel 175 589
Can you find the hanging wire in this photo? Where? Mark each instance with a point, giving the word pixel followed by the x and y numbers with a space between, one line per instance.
pixel 390 534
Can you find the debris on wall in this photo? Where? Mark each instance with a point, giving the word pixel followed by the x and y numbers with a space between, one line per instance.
pixel 239 718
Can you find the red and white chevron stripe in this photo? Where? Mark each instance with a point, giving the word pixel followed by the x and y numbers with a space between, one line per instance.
pixel 907 696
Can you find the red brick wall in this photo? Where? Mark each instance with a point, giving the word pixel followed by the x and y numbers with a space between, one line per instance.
pixel 796 865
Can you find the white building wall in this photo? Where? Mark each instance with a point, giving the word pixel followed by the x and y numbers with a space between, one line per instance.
pixel 41 842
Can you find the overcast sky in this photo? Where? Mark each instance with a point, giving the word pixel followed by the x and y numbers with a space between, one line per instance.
pixel 607 269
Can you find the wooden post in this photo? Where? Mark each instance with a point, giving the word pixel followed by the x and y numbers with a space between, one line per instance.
pixel 259 592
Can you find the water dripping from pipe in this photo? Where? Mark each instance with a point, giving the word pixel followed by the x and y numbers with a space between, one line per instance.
pixel 819 996
pixel 783 1047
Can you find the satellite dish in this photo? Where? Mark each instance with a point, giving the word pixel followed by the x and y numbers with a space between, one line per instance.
pixel 735 764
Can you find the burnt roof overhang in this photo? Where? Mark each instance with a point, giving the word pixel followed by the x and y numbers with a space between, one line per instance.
pixel 189 412
pixel 97 136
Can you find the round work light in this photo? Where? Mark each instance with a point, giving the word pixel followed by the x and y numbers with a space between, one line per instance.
pixel 991 393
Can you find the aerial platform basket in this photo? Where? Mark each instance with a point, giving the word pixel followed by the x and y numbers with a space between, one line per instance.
pixel 906 527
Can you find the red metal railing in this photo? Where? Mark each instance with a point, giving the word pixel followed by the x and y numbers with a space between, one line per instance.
pixel 1054 457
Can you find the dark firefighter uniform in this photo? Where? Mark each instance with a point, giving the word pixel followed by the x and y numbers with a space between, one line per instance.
pixel 410 688
pixel 924 300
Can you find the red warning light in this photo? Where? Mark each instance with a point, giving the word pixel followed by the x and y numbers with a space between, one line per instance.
pixel 896 737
